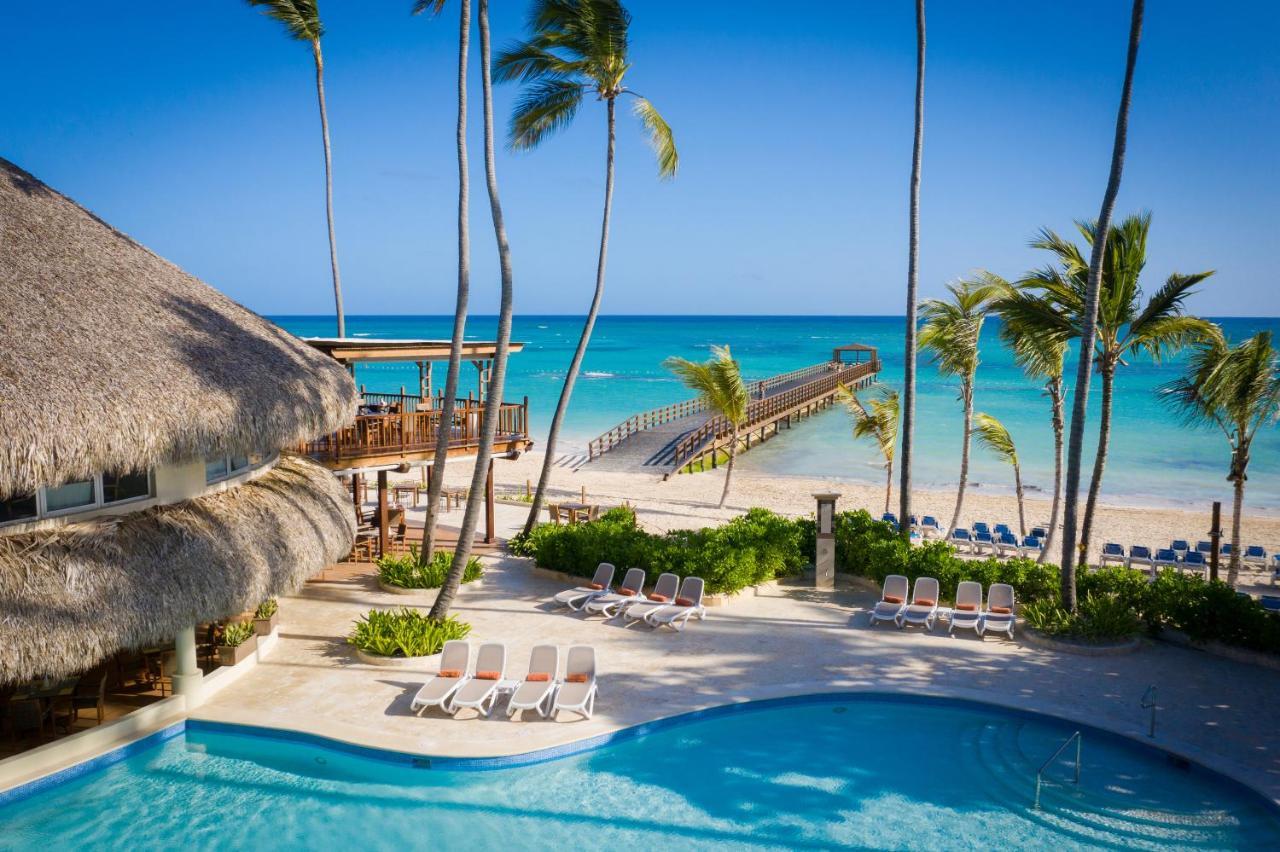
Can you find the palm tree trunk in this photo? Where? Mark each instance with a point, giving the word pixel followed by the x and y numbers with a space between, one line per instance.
pixel 498 374
pixel 1054 387
pixel 460 306
pixel 562 406
pixel 1239 464
pixel 728 471
pixel 966 392
pixel 888 484
pixel 913 276
pixel 1089 329
pixel 1017 488
pixel 328 187
pixel 1100 461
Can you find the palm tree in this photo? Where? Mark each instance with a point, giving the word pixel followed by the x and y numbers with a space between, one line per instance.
pixel 1236 389
pixel 951 331
pixel 993 435
pixel 1124 325
pixel 301 19
pixel 577 46
pixel 878 420
pixel 1041 353
pixel 498 373
pixel 913 277
pixel 719 382
pixel 441 456
pixel 1080 402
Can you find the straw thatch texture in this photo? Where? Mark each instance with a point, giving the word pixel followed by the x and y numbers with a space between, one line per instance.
pixel 71 596
pixel 114 359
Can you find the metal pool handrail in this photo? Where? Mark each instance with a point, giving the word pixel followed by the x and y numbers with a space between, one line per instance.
pixel 1040 772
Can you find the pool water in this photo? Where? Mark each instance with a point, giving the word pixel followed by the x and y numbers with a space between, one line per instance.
pixel 832 771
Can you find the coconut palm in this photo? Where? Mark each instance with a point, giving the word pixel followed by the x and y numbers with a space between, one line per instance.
pixel 448 400
pixel 993 435
pixel 913 276
pixel 950 334
pixel 1041 353
pixel 576 47
pixel 498 373
pixel 877 420
pixel 1093 288
pixel 719 382
pixel 1124 325
pixel 301 19
pixel 1236 389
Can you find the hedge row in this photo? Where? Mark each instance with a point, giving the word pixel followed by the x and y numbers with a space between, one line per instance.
pixel 762 545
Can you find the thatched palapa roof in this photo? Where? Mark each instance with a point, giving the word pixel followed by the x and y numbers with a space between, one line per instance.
pixel 76 594
pixel 115 359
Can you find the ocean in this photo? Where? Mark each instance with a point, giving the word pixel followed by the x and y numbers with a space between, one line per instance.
pixel 1153 458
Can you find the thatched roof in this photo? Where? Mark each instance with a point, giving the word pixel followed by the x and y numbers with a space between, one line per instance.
pixel 76 594
pixel 115 359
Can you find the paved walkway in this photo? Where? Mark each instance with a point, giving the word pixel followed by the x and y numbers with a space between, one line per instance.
pixel 784 640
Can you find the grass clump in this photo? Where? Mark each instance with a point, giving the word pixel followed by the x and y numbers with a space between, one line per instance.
pixel 407 572
pixel 404 632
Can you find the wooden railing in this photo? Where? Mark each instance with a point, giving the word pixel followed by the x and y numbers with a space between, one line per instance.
pixel 414 432
pixel 640 422
pixel 802 373
pixel 712 434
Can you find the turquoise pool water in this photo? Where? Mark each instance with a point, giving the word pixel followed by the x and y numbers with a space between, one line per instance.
pixel 825 772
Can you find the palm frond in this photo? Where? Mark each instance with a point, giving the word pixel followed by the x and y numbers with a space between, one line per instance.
pixel 718 381
pixel 660 137
pixel 301 18
pixel 528 61
pixel 879 421
pixel 1167 301
pixel 433 7
pixel 952 328
pixel 543 108
pixel 1161 336
pixel 993 435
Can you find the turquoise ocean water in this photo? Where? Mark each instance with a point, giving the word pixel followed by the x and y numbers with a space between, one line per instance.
pixel 1153 458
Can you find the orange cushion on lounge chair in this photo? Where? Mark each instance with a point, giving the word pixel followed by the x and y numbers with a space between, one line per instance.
pixel 684 602
pixel 1000 610
pixel 596 586
pixel 580 677
pixel 892 599
pixel 626 593
pixel 537 677
pixel 451 673
pixel 488 675
pixel 923 602
pixel 966 607
pixel 659 598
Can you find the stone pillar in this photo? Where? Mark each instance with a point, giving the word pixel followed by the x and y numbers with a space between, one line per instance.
pixel 187 677
pixel 824 563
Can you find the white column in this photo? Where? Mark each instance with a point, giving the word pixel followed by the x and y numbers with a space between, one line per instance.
pixel 187 677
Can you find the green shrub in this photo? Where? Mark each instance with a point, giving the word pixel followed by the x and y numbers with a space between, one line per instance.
pixel 404 633
pixel 236 633
pixel 1101 618
pixel 266 609
pixel 405 571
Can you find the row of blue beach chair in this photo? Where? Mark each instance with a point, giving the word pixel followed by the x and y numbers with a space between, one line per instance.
pixel 981 539
pixel 1180 556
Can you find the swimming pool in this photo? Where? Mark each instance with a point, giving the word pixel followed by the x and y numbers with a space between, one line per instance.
pixel 817 772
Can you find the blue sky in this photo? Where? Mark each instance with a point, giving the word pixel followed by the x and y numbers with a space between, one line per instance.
pixel 193 128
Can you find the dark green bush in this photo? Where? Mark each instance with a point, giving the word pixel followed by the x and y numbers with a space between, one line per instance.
pixel 1102 617
pixel 405 570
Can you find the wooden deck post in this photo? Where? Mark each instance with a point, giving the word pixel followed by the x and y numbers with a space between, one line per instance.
pixel 382 513
pixel 489 532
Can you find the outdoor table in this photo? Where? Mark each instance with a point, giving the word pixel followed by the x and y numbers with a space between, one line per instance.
pixel 47 693
pixel 575 508
pixel 406 491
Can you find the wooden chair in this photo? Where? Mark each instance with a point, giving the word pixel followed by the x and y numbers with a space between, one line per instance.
pixel 593 514
pixel 553 510
pixel 86 698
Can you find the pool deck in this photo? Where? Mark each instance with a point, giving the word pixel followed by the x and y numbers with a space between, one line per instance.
pixel 781 640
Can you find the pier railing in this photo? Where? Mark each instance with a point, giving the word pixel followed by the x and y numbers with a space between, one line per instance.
pixel 809 372
pixel 640 422
pixel 713 434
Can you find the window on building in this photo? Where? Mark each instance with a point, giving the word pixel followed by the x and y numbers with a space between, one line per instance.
pixel 72 495
pixel 117 487
pixel 239 463
pixel 18 508
pixel 215 469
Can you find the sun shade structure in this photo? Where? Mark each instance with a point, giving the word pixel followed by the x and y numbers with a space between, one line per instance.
pixel 115 359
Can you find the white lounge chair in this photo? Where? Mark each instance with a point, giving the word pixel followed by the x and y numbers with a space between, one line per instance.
pixel 607 605
pixel 930 528
pixel 688 604
pixel 539 685
pixel 481 688
pixel 967 611
pixel 578 692
pixel 923 608
pixel 664 593
pixel 999 613
pixel 599 585
pixel 454 659
pixel 893 597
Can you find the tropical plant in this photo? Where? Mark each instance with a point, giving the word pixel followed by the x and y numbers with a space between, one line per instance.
pixel 404 632
pixel 1102 618
pixel 576 47
pixel 236 633
pixel 1124 325
pixel 410 571
pixel 718 381
pixel 1088 324
pixel 301 19
pixel 913 277
pixel 993 435
pixel 448 400
pixel 950 333
pixel 461 566
pixel 877 420
pixel 1236 389
pixel 1041 353
pixel 266 609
